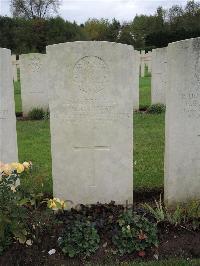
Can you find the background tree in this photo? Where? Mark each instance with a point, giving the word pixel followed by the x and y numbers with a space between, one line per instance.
pixel 34 8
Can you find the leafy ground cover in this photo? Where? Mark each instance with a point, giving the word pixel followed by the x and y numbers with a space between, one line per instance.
pixel 174 241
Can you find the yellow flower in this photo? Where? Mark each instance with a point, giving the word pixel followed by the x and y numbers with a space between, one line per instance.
pixel 27 165
pixel 18 167
pixel 7 169
pixel 54 204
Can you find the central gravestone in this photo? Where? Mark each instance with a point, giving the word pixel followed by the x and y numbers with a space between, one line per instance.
pixel 91 121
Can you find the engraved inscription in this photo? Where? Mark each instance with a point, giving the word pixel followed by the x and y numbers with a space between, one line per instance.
pixel 191 104
pixel 35 64
pixel 197 69
pixel 90 74
pixel 90 111
pixel 3 114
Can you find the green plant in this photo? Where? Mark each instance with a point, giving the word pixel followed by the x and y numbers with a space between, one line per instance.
pixel 156 108
pixel 134 233
pixel 158 212
pixel 192 213
pixel 80 237
pixel 36 114
pixel 13 214
pixel 162 214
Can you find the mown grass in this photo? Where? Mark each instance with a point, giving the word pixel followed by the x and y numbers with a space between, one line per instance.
pixel 145 92
pixel 148 150
pixel 34 145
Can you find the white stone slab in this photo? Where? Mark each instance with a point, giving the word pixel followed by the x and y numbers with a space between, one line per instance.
pixel 159 75
pixel 14 67
pixel 34 82
pixel 8 135
pixel 182 151
pixel 91 92
pixel 136 80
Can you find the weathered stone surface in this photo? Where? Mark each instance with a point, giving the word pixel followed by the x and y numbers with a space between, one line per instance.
pixel 8 135
pixel 159 75
pixel 91 103
pixel 34 82
pixel 182 152
pixel 14 67
pixel 142 64
pixel 136 80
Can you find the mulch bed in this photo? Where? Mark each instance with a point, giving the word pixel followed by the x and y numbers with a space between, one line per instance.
pixel 174 242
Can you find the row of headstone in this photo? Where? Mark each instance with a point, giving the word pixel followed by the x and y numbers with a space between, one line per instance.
pixel 145 62
pixel 91 99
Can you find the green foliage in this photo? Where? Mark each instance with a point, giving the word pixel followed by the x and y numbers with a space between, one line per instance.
pixel 156 108
pixel 158 212
pixel 188 213
pixel 37 114
pixel 12 212
pixel 134 233
pixel 79 238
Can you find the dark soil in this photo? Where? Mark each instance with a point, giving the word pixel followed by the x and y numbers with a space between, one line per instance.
pixel 174 241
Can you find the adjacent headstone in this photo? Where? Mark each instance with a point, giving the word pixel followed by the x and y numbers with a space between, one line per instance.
pixel 159 75
pixel 142 64
pixel 8 135
pixel 91 92
pixel 148 61
pixel 14 67
pixel 182 156
pixel 136 78
pixel 34 82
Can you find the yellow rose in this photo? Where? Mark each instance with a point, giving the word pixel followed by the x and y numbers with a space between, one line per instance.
pixel 52 204
pixel 13 166
pixel 26 165
pixel 18 167
pixel 7 169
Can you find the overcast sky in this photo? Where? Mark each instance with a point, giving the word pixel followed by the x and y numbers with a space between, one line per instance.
pixel 123 10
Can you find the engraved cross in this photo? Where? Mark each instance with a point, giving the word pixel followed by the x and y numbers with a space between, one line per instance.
pixel 92 150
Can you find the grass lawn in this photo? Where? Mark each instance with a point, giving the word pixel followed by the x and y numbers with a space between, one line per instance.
pixel 145 92
pixel 34 145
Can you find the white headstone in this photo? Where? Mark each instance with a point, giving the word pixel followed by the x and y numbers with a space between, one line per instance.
pixel 142 64
pixel 14 67
pixel 34 83
pixel 159 75
pixel 136 79
pixel 182 152
pixel 8 135
pixel 91 92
